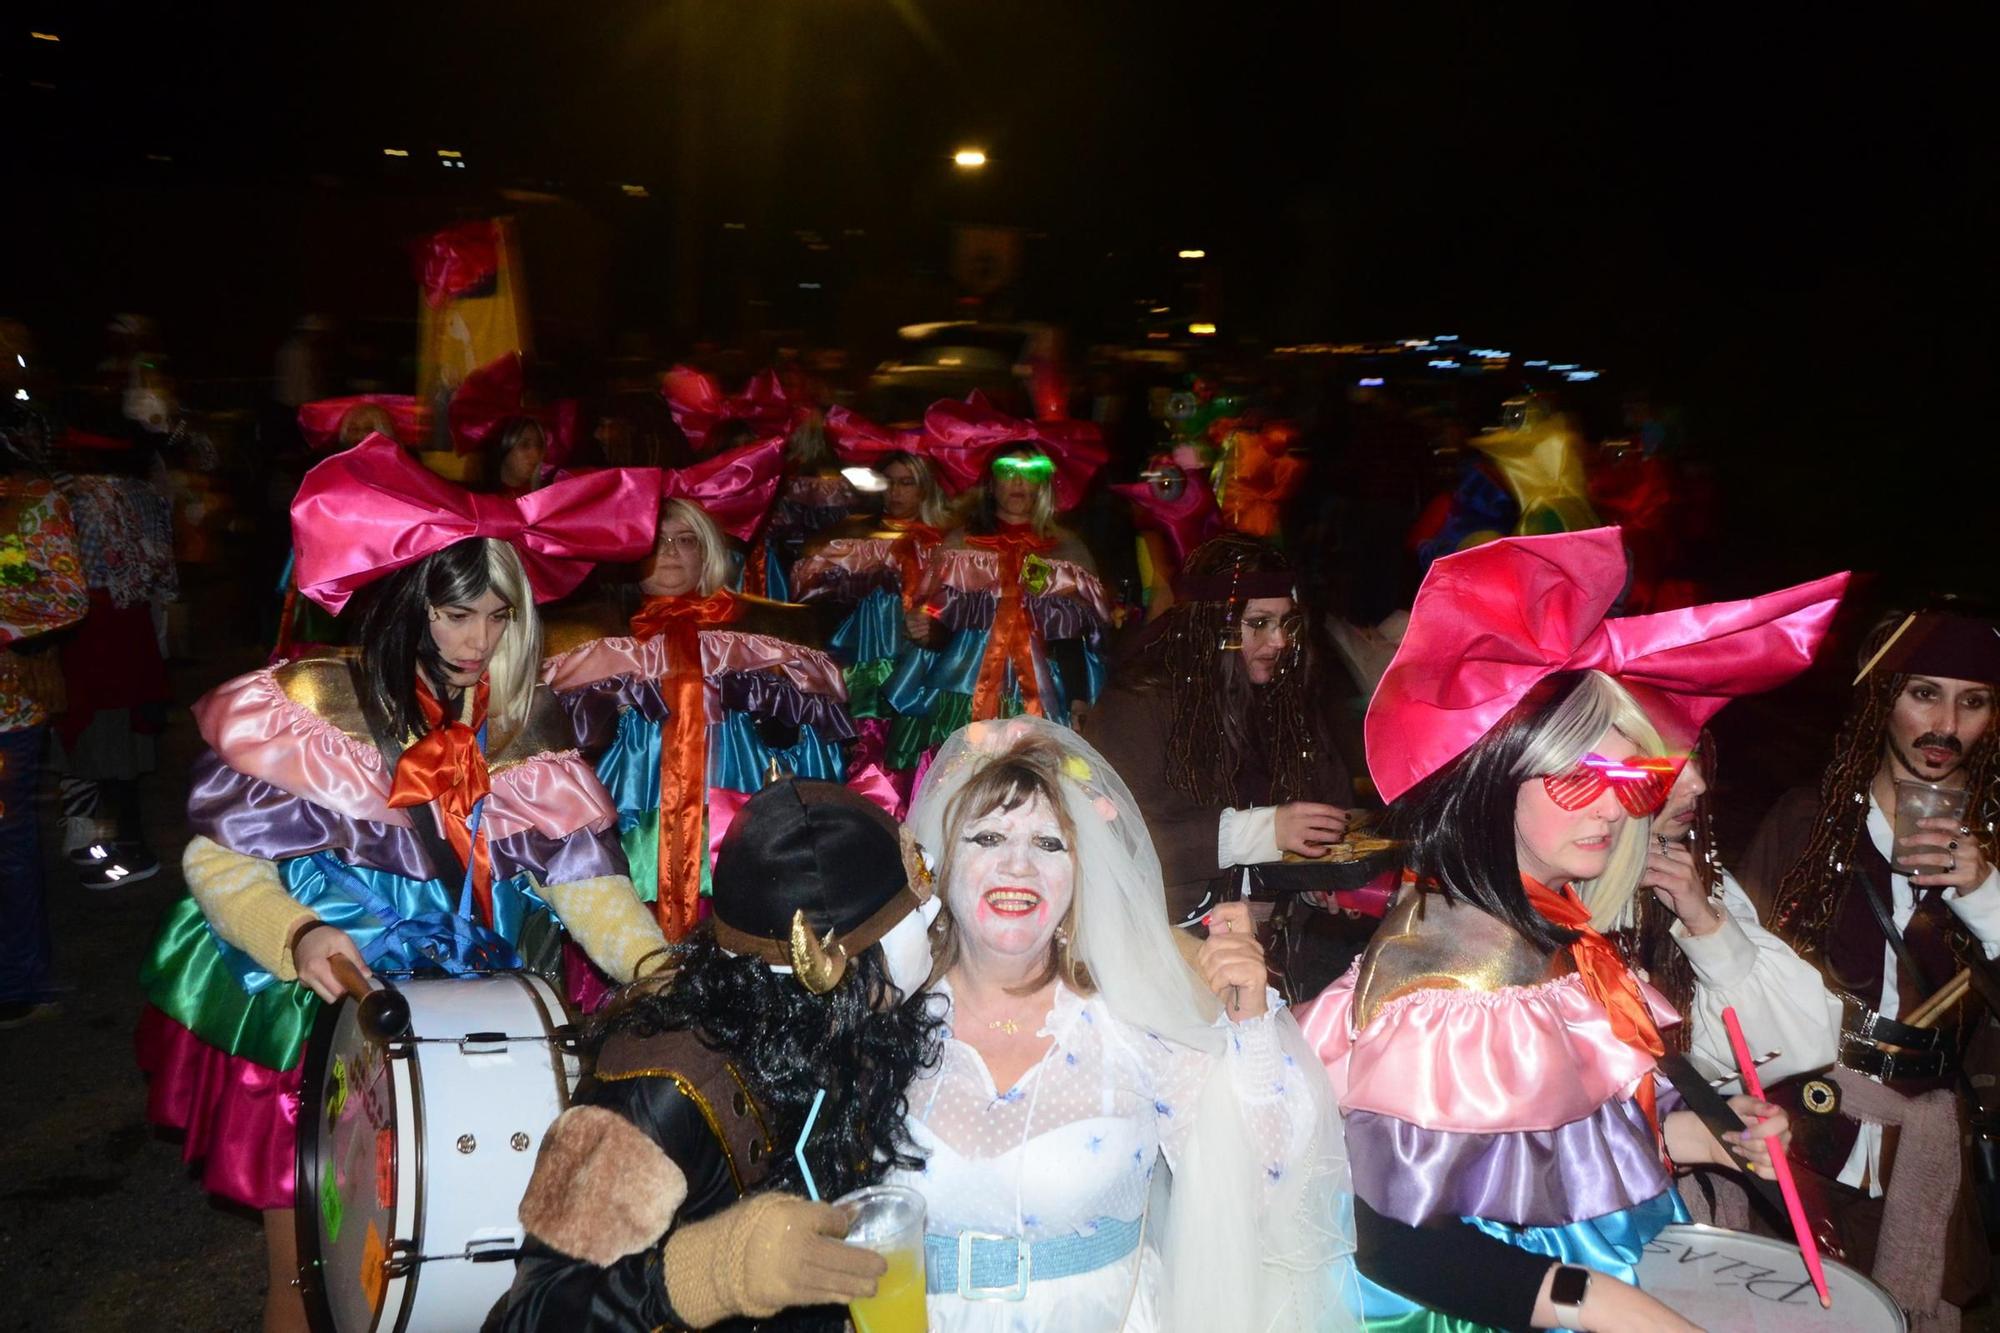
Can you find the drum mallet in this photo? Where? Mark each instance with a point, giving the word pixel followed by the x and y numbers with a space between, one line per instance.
pixel 1780 1166
pixel 385 1014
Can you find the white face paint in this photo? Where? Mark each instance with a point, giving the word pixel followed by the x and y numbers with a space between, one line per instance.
pixel 907 948
pixel 1012 877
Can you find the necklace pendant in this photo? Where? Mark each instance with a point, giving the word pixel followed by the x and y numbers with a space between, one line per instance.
pixel 1006 1025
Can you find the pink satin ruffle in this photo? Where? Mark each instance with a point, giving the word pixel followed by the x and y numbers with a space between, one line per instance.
pixel 1518 1060
pixel 979 571
pixel 554 795
pixel 811 670
pixel 257 730
pixel 240 1116
pixel 855 555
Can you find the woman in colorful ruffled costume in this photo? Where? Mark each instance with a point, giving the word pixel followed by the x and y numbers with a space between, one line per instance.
pixel 1019 594
pixel 876 565
pixel 1086 1049
pixel 1494 1058
pixel 413 806
pixel 712 690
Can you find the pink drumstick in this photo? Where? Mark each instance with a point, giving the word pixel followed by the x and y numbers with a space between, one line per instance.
pixel 1780 1166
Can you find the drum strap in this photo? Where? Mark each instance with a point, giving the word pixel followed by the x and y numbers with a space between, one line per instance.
pixel 1716 1114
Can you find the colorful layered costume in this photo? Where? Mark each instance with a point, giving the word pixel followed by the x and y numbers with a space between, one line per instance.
pixel 874 566
pixel 292 817
pixel 1026 616
pixel 1479 1079
pixel 705 695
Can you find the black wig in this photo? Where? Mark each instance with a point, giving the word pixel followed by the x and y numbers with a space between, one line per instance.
pixel 396 639
pixel 862 1041
pixel 1459 822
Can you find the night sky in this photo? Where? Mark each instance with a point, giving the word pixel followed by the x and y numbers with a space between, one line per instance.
pixel 1778 217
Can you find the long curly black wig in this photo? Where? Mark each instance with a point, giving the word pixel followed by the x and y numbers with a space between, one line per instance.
pixel 864 1042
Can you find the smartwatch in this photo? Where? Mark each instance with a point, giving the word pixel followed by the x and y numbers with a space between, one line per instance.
pixel 1568 1289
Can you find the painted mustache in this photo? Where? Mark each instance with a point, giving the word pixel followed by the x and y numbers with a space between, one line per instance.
pixel 1931 740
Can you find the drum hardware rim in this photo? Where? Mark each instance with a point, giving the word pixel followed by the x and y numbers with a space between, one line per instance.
pixel 562 1034
pixel 404 1260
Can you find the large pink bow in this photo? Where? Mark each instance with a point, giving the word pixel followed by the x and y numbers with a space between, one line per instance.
pixel 457 260
pixel 965 436
pixel 700 406
pixel 493 394
pixel 373 509
pixel 733 488
pixel 320 422
pixel 863 443
pixel 1491 622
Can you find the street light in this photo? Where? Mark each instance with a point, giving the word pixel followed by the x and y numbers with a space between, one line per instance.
pixel 1194 254
pixel 970 159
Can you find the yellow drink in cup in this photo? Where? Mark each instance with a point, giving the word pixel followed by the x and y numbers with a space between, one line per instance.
pixel 889 1220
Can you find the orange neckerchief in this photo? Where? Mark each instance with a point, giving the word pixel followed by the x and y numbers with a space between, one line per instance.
pixel 1012 639
pixel 1608 980
pixel 446 766
pixel 683 750
pixel 909 550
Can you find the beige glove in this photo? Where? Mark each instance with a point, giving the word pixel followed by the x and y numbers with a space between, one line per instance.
pixel 762 1255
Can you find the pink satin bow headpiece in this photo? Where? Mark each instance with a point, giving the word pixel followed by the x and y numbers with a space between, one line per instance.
pixel 863 443
pixel 457 260
pixel 734 488
pixel 493 394
pixel 699 405
pixel 373 509
pixel 965 436
pixel 1491 622
pixel 320 422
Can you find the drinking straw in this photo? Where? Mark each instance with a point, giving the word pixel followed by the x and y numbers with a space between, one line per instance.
pixel 799 1148
pixel 1780 1166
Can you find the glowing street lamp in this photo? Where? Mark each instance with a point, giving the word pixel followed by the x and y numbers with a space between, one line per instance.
pixel 1194 254
pixel 969 159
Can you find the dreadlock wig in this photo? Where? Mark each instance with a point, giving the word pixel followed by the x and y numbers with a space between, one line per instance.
pixel 1811 892
pixel 1216 716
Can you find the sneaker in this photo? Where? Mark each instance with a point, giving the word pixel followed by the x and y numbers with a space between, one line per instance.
pixel 81 837
pixel 92 852
pixel 20 1013
pixel 124 863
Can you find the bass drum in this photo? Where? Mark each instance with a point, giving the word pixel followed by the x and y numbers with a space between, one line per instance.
pixel 1734 1282
pixel 414 1152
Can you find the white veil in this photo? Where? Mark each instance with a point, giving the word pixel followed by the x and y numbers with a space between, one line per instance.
pixel 1228 1239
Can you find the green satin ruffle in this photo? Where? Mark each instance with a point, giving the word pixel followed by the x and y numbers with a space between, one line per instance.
pixel 187 979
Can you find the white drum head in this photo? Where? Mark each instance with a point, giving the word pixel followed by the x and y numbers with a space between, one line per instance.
pixel 1734 1282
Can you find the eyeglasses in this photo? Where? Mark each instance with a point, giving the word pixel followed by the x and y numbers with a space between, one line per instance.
pixel 685 541
pixel 1641 783
pixel 1283 627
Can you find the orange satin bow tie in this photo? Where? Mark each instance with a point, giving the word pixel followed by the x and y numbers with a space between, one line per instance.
pixel 447 766
pixel 658 614
pixel 1608 980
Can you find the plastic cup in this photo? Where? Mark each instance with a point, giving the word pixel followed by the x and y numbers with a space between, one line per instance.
pixel 889 1220
pixel 1922 800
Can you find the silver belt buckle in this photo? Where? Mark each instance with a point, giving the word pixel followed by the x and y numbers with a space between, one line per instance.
pixel 1017 1291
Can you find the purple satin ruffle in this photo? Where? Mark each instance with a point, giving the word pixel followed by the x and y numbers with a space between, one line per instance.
pixel 761 694
pixel 250 816
pixel 1548 1178
pixel 254 818
pixel 1060 617
pixel 581 856
pixel 239 1116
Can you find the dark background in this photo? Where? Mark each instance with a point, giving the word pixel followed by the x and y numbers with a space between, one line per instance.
pixel 1775 218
